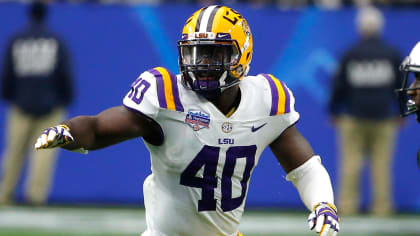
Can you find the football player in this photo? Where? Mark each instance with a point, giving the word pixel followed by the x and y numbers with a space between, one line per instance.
pixel 411 84
pixel 226 119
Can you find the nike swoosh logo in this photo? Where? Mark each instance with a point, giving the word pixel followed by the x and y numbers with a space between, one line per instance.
pixel 222 35
pixel 254 129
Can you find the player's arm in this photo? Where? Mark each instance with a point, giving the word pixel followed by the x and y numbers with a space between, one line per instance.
pixel 310 177
pixel 109 127
pixel 291 149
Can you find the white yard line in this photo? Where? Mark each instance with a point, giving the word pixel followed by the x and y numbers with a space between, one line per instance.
pixel 86 220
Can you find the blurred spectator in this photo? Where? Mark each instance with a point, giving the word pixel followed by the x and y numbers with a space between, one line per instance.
pixel 364 109
pixel 259 3
pixel 36 82
pixel 287 4
pixel 132 2
pixel 283 4
pixel 206 2
pixel 362 3
pixel 328 4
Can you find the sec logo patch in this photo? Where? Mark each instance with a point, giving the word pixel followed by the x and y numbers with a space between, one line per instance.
pixel 227 127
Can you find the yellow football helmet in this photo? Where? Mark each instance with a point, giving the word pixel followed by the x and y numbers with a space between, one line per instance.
pixel 215 50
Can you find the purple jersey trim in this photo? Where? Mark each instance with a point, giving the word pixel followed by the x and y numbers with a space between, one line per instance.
pixel 274 93
pixel 160 88
pixel 286 92
pixel 175 92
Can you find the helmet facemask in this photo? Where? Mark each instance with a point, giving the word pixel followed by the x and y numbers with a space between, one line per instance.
pixel 207 65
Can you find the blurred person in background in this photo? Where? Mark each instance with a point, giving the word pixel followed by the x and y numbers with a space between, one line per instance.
pixel 363 108
pixel 205 131
pixel 36 83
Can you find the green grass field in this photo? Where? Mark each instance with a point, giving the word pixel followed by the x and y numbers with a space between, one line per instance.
pixel 59 221
pixel 23 233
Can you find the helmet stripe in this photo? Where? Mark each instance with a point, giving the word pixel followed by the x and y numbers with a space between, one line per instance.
pixel 204 17
pixel 211 19
pixel 197 25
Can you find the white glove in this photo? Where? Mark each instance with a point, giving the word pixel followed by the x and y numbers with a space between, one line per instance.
pixel 324 219
pixel 52 137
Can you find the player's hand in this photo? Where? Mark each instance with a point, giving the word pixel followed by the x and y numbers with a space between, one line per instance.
pixel 324 219
pixel 52 137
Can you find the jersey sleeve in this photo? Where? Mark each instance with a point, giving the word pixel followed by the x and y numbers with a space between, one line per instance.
pixel 282 99
pixel 153 90
pixel 142 97
pixel 281 108
pixel 290 115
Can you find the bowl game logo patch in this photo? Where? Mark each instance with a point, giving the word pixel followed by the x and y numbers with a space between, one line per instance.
pixel 197 119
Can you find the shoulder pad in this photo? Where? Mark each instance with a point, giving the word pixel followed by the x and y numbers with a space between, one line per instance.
pixel 282 100
pixel 154 89
pixel 167 89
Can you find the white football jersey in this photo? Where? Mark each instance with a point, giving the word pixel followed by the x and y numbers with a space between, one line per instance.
pixel 200 174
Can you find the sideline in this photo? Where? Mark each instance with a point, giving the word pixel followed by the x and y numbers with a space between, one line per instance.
pixel 126 221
